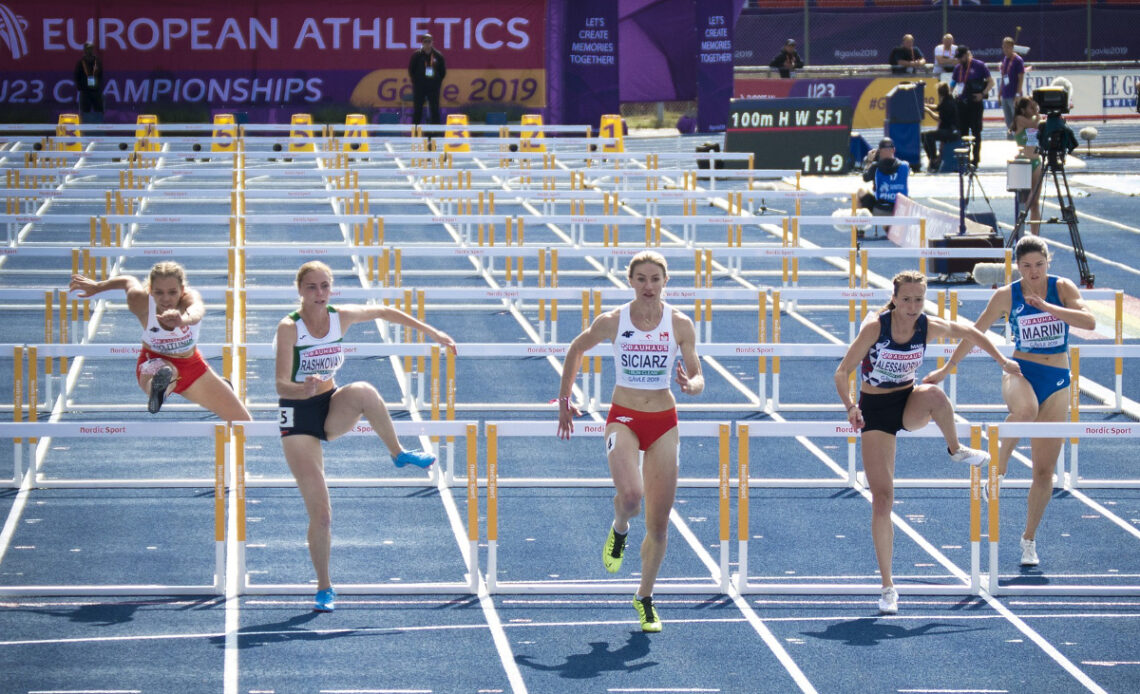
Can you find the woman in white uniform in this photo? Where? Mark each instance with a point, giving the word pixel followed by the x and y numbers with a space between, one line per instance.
pixel 647 334
pixel 169 362
pixel 313 409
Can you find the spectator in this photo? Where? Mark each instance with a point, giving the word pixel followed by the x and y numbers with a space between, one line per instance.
pixel 1012 83
pixel 944 56
pixel 971 81
pixel 89 82
pixel 947 130
pixel 890 179
pixel 427 70
pixel 787 59
pixel 906 58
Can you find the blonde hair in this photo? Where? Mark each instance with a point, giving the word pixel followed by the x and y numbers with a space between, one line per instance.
pixel 311 266
pixel 167 268
pixel 648 257
pixel 904 277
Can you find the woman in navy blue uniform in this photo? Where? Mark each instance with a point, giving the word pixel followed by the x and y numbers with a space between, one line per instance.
pixel 647 335
pixel 1040 308
pixel 888 353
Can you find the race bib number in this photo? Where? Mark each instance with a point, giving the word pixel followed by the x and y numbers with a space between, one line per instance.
pixel 285 417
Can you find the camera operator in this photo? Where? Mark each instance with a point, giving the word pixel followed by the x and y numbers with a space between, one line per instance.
pixel 947 131
pixel 890 176
pixel 1026 122
pixel 971 81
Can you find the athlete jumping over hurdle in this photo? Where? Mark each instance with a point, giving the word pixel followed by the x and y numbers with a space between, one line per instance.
pixel 171 314
pixel 1040 307
pixel 646 333
pixel 313 409
pixel 889 351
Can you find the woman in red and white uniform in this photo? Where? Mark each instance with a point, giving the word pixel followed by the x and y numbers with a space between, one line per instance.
pixel 646 334
pixel 169 362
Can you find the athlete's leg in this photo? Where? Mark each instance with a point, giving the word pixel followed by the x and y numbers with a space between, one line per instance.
pixel 659 472
pixel 356 399
pixel 303 454
pixel 879 466
pixel 622 453
pixel 1044 454
pixel 149 368
pixel 211 392
pixel 1022 403
pixel 928 402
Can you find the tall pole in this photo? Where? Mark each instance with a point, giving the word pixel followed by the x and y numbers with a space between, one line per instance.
pixel 807 35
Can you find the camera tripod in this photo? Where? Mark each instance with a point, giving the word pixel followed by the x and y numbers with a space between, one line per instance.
pixel 1054 163
pixel 967 179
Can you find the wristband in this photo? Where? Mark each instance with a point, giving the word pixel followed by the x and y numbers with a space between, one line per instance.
pixel 850 406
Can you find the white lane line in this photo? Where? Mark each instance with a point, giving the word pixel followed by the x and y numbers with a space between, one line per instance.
pixel 1110 663
pixel 954 691
pixel 84 691
pixel 741 603
pixel 374 691
pixel 660 689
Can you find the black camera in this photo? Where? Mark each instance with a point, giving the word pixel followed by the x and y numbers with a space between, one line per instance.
pixel 1052 100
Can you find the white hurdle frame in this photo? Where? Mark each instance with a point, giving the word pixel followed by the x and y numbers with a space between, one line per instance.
pixel 425 430
pixel 746 431
pixel 719 583
pixel 1073 431
pixel 46 431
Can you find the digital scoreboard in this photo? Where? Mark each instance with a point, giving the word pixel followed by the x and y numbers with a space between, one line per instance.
pixel 812 135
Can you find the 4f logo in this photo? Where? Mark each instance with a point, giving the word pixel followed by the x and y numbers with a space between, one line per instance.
pixel 627 334
pixel 12 27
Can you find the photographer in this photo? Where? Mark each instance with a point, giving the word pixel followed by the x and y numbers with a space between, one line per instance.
pixel 947 131
pixel 971 81
pixel 890 176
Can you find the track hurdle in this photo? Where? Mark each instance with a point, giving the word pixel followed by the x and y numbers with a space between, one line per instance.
pixel 716 582
pixel 470 582
pixel 46 432
pixel 1128 431
pixel 969 583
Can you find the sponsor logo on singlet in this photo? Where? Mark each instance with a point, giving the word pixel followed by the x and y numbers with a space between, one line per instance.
pixel 1040 330
pixel 321 359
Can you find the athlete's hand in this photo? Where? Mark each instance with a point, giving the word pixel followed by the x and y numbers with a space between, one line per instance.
pixel 171 318
pixel 312 382
pixel 855 417
pixel 445 340
pixel 682 378
pixel 1011 367
pixel 86 286
pixel 1036 302
pixel 567 411
pixel 937 375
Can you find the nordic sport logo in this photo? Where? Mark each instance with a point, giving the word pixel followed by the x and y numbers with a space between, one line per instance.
pixel 12 27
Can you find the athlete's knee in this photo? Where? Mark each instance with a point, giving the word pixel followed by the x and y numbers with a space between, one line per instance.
pixel 321 519
pixel 882 500
pixel 629 500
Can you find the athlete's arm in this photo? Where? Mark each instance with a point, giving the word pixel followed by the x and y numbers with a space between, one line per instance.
pixel 604 327
pixel 689 375
pixel 968 334
pixel 855 353
pixel 996 307
pixel 1072 310
pixel 286 340
pixel 350 314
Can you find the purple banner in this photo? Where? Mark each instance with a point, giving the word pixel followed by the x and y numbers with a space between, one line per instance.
pixel 1052 33
pixel 836 36
pixel 715 21
pixel 591 77
pixel 657 46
